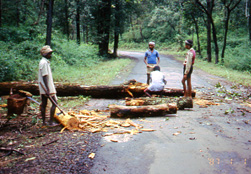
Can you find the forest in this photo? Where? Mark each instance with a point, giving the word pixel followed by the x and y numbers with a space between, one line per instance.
pixel 84 32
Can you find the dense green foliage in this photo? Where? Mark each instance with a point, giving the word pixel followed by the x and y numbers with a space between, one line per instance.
pixel 169 23
pixel 19 61
pixel 82 29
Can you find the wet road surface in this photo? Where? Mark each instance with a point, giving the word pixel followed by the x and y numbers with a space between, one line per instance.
pixel 199 140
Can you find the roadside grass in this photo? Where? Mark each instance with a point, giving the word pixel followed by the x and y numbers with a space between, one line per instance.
pixel 100 73
pixel 238 77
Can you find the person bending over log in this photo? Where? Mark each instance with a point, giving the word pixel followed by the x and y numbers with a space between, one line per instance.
pixel 188 68
pixel 45 79
pixel 151 59
pixel 157 80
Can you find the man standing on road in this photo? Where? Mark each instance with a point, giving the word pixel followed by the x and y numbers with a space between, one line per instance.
pixel 45 77
pixel 151 60
pixel 188 68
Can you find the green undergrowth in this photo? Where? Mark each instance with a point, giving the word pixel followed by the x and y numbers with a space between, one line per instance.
pixel 100 73
pixel 239 77
pixel 70 62
pixel 237 60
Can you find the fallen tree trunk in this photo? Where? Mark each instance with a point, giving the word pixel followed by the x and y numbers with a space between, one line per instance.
pixel 142 101
pixel 181 102
pixel 66 120
pixel 66 89
pixel 142 111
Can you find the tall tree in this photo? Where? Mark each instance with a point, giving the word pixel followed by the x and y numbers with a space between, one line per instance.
pixel 18 12
pixel 41 10
pixel 192 15
pixel 66 13
pixel 103 25
pixel 117 27
pixel 248 15
pixel 49 22
pixel 0 13
pixel 78 21
pixel 229 6
pixel 209 12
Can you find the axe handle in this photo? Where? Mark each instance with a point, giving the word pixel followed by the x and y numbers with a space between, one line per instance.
pixel 51 99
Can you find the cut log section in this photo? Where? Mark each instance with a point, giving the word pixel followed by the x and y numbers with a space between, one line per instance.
pixel 142 101
pixel 66 89
pixel 142 111
pixel 181 102
pixel 16 104
pixel 66 120
pixel 185 102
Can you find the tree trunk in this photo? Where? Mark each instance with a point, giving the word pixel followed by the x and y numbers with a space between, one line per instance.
pixel 116 28
pixel 216 48
pixel 182 103
pixel 103 26
pixel 24 11
pixel 142 111
pixel 84 28
pixel 229 10
pixel 249 20
pixel 66 19
pixel 209 48
pixel 86 34
pixel 225 37
pixel 41 9
pixel 141 34
pixel 0 13
pixel 49 22
pixel 116 91
pixel 197 33
pixel 18 13
pixel 78 21
pixel 143 101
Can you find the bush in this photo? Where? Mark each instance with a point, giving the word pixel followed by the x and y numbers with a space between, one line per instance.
pixel 19 61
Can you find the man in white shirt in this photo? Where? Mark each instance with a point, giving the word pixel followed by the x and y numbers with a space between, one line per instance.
pixel 157 82
pixel 188 68
pixel 45 77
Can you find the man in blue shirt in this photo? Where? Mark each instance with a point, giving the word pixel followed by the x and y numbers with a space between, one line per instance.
pixel 151 60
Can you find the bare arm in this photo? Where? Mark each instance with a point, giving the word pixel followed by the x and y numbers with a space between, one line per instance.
pixel 146 62
pixel 158 61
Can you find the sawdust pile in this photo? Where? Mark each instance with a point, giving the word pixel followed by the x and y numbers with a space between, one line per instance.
pixel 98 121
pixel 204 103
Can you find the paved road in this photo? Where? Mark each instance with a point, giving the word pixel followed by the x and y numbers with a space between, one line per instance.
pixel 207 140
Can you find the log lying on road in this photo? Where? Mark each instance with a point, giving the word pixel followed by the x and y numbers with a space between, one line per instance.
pixel 185 102
pixel 66 89
pixel 182 103
pixel 142 101
pixel 66 120
pixel 142 111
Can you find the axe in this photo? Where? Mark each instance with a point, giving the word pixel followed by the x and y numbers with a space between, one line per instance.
pixel 51 99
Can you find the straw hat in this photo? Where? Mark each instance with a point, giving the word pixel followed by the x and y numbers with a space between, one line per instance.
pixel 45 50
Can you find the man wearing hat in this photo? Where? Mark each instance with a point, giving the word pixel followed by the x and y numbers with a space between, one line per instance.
pixel 188 68
pixel 151 59
pixel 45 77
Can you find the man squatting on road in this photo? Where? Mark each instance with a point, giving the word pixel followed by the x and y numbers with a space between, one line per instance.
pixel 45 77
pixel 150 59
pixel 188 68
pixel 157 82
